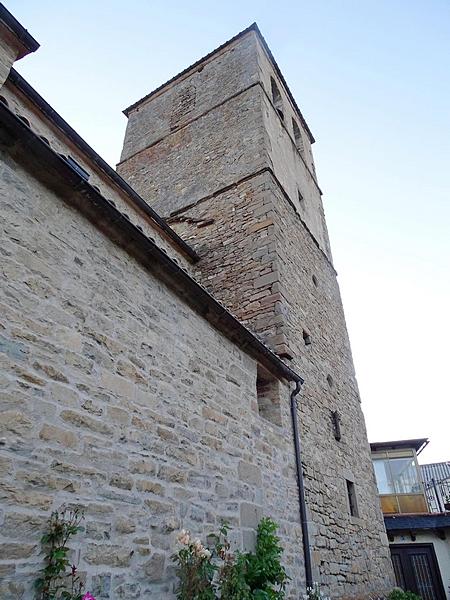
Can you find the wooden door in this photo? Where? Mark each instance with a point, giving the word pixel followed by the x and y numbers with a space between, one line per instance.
pixel 416 570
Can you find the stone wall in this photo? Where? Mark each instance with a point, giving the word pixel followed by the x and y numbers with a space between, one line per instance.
pixel 22 106
pixel 234 235
pixel 265 254
pixel 232 131
pixel 201 89
pixel 201 158
pixel 266 278
pixel 120 399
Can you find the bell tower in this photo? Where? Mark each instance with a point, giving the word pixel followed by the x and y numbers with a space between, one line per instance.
pixel 223 152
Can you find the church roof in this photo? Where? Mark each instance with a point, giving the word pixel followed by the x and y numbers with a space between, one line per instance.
pixel 26 40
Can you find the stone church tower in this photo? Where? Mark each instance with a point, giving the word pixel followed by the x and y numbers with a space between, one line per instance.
pixel 223 152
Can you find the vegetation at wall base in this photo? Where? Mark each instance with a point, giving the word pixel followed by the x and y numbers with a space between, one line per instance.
pixel 208 574
pixel 399 594
pixel 59 580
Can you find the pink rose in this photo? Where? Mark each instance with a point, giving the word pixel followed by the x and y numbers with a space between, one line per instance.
pixel 88 596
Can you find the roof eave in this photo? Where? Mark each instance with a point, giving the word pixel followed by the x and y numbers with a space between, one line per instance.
pixel 25 40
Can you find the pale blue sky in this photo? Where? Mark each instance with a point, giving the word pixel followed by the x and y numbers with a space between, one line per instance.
pixel 373 81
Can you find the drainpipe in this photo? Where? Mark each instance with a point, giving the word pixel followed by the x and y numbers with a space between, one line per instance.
pixel 300 485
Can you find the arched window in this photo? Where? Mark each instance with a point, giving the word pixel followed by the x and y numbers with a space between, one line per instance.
pixel 276 98
pixel 298 136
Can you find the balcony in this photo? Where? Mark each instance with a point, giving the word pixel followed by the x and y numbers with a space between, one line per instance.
pixel 399 478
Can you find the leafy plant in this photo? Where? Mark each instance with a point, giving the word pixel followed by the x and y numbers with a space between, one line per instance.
pixel 58 581
pixel 399 594
pixel 195 570
pixel 233 569
pixel 209 574
pixel 266 576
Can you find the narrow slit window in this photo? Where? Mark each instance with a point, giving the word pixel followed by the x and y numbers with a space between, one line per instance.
pixel 351 495
pixel 298 136
pixel 268 396
pixel 301 199
pixel 306 338
pixel 336 420
pixel 276 98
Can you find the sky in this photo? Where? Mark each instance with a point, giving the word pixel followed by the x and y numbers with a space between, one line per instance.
pixel 372 79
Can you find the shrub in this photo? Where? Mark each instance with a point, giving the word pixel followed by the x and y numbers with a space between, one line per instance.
pixel 217 573
pixel 265 575
pixel 195 569
pixel 399 594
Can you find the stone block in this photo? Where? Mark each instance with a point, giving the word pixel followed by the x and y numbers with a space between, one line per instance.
pixel 16 551
pixel 83 421
pixel 250 515
pixel 52 433
pixel 249 473
pixel 15 422
pixel 110 555
pixel 154 568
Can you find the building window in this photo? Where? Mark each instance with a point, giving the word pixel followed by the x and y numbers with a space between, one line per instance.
pixel 276 98
pixel 306 338
pixel 268 396
pixel 301 200
pixel 398 480
pixel 330 381
pixel 351 495
pixel 336 420
pixel 298 136
pixel 314 280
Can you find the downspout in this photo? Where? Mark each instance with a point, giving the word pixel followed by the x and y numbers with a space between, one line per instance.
pixel 300 485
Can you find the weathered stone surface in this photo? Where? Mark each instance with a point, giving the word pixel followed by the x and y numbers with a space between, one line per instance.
pixel 154 568
pixel 123 525
pixel 22 526
pixel 57 434
pixel 251 514
pixel 12 551
pixel 249 473
pixel 113 556
pixel 80 420
pixel 122 400
pixel 13 421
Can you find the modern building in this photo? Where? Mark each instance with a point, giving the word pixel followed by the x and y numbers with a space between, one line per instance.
pixel 173 347
pixel 416 515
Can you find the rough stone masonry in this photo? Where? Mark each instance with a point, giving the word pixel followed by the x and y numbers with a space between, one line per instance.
pixel 127 388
